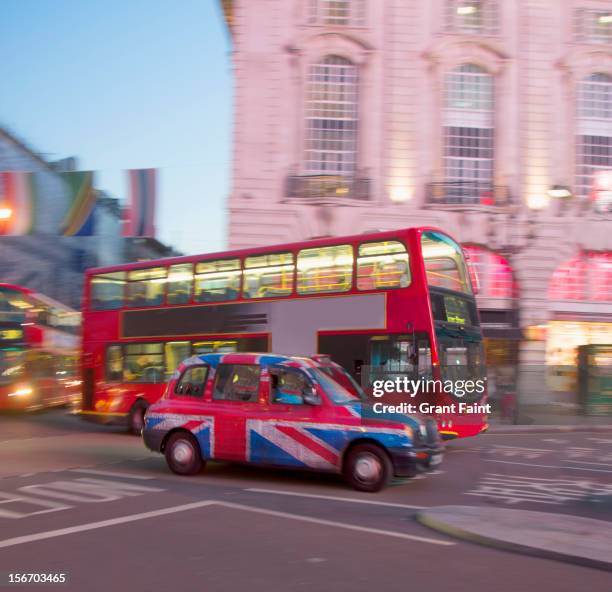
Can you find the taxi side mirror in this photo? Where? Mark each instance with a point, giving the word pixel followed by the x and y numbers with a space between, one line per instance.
pixel 311 396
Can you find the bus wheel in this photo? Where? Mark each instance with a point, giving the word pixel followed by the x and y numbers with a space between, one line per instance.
pixel 183 454
pixel 368 468
pixel 136 418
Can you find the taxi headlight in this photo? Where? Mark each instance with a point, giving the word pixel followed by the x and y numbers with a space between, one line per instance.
pixel 409 432
pixel 21 392
pixel 423 430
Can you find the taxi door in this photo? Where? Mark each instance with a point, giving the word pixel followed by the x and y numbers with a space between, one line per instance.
pixel 291 429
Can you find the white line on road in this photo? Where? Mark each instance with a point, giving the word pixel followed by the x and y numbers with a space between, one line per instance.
pixel 510 462
pixel 50 534
pixel 110 474
pixel 584 462
pixel 334 498
pixel 389 533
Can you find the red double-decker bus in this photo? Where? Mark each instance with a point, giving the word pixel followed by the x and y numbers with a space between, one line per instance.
pixel 39 350
pixel 398 302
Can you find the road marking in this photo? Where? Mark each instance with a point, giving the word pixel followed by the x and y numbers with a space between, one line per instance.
pixel 510 462
pixel 50 534
pixel 87 490
pixel 12 498
pixel 334 498
pixel 584 462
pixel 514 489
pixel 111 474
pixel 389 533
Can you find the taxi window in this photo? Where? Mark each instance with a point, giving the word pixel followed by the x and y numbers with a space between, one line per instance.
pixel 237 382
pixel 192 382
pixel 287 387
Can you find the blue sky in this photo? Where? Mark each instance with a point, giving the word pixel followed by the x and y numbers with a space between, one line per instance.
pixel 126 84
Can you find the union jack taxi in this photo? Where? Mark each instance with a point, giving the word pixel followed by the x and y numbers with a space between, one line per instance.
pixel 283 411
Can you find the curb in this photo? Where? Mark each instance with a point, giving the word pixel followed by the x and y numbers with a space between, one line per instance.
pixel 487 541
pixel 525 429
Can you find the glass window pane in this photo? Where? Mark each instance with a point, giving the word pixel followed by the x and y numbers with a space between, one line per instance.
pixel 192 382
pixel 237 382
pixel 212 347
pixel 180 283
pixel 382 265
pixel 176 352
pixel 445 263
pixel 107 291
pixel 146 286
pixel 266 276
pixel 325 269
pixel 144 363
pixel 217 280
pixel 114 363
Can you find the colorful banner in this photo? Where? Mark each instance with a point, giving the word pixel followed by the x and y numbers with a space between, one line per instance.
pixel 17 202
pixel 79 221
pixel 140 214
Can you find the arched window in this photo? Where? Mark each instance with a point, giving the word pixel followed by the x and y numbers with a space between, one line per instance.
pixel 594 130
pixel 332 117
pixel 337 12
pixel 468 134
pixel 493 274
pixel 585 277
pixel 472 16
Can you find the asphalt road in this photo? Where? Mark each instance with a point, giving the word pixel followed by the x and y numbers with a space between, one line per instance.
pixel 94 504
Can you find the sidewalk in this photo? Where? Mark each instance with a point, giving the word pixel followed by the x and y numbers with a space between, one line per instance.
pixel 571 539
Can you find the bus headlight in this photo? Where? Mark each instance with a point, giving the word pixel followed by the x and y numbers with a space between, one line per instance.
pixel 21 392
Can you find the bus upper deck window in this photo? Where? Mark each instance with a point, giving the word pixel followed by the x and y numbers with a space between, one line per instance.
pixel 445 263
pixel 325 269
pixel 180 283
pixel 146 286
pixel 107 290
pixel 382 265
pixel 266 276
pixel 217 280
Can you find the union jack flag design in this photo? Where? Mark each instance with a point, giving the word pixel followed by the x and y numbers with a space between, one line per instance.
pixel 201 426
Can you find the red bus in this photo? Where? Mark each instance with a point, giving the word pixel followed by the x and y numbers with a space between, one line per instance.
pixel 39 351
pixel 398 302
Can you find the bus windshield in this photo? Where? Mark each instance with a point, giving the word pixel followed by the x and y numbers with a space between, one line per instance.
pixel 445 263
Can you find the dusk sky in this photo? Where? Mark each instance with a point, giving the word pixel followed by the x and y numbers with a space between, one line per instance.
pixel 142 83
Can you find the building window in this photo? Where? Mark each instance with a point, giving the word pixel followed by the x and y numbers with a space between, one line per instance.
pixel 331 117
pixel 472 16
pixel 469 132
pixel 593 26
pixel 594 131
pixel 337 12
pixel 491 273
pixel 585 277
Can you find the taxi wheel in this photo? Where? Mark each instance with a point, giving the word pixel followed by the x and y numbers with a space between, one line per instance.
pixel 368 468
pixel 136 418
pixel 183 454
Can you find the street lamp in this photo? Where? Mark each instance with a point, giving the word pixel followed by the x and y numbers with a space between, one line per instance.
pixel 560 192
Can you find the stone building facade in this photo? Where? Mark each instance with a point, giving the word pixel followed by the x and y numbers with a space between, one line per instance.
pixel 491 119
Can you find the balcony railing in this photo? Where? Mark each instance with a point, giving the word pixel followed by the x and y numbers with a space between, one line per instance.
pixel 317 188
pixel 467 193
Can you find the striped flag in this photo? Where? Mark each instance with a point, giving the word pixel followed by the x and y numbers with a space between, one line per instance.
pixel 140 214
pixel 79 220
pixel 17 202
